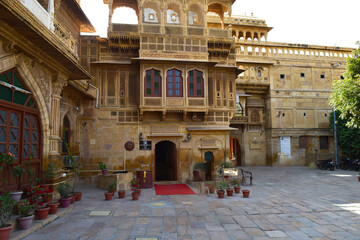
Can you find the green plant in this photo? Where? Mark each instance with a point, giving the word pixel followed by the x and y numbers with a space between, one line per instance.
pixel 112 186
pixel 134 184
pixel 102 166
pixel 235 182
pixel 226 165
pixel 6 160
pixel 6 208
pixel 18 172
pixel 64 189
pixel 74 165
pixel 26 209
pixel 222 186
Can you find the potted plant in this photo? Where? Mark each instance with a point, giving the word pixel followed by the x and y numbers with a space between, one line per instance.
pixel 229 190
pixel 6 160
pixel 53 207
pixel 18 171
pixel 246 193
pixel 47 195
pixel 236 184
pixel 64 190
pixel 103 168
pixel 134 185
pixel 75 165
pixel 50 173
pixel 121 193
pixel 42 211
pixel 112 187
pixel 6 207
pixel 26 212
pixel 221 187
pixel 108 196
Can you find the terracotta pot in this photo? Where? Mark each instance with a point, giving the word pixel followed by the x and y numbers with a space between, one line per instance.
pixel 112 192
pixel 105 171
pixel 121 193
pixel 78 196
pixel 25 222
pixel 5 232
pixel 246 193
pixel 47 198
pixel 72 198
pixel 226 176
pixel 108 196
pixel 237 189
pixel 221 194
pixel 42 213
pixel 53 207
pixel 16 195
pixel 229 192
pixel 45 187
pixel 211 189
pixel 135 195
pixel 64 202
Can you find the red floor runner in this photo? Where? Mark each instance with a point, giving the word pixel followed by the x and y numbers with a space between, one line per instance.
pixel 173 189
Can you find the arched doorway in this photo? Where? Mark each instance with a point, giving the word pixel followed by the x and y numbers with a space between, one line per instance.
pixel 20 132
pixel 209 159
pixel 165 161
pixel 235 150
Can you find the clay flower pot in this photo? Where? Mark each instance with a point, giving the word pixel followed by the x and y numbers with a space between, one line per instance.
pixel 5 232
pixel 25 222
pixel 72 198
pixel 108 196
pixel 237 189
pixel 246 193
pixel 135 195
pixel 221 194
pixel 16 195
pixel 229 192
pixel 64 202
pixel 42 213
pixel 121 193
pixel 78 196
pixel 105 171
pixel 53 207
pixel 211 188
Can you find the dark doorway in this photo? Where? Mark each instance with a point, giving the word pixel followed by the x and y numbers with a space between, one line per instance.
pixel 235 150
pixel 165 161
pixel 209 159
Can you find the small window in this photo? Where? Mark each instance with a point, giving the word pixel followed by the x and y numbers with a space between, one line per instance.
pixel 282 76
pixel 259 73
pixel 304 114
pixel 341 77
pixel 325 114
pixel 324 143
pixel 283 114
pixel 322 76
pixel 303 142
pixel 302 75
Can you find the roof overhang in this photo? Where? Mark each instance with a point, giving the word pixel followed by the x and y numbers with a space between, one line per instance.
pixel 79 13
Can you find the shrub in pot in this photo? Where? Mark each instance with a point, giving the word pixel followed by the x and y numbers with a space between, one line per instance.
pixel 103 168
pixel 112 187
pixel 42 211
pixel 47 195
pixel 64 190
pixel 26 212
pixel 6 208
pixel 229 190
pixel 134 185
pixel 221 187
pixel 236 184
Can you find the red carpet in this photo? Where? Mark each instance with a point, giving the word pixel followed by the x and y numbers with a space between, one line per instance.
pixel 173 189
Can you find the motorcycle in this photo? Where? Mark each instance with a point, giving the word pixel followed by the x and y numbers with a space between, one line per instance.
pixel 325 164
pixel 349 163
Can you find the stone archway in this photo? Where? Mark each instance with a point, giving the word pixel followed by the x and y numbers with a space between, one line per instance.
pixel 165 161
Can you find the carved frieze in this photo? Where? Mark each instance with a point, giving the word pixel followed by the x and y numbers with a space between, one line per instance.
pixel 165 129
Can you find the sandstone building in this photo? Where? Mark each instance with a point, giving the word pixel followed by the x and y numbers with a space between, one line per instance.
pixel 187 84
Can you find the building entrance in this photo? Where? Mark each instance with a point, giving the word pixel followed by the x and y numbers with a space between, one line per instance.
pixel 209 158
pixel 165 161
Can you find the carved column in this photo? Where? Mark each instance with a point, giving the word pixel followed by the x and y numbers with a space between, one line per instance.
pixel 58 83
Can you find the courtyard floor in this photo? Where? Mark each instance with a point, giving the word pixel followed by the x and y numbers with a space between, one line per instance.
pixel 285 203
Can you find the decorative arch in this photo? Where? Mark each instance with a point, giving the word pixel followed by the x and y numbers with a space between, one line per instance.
pixel 128 4
pixel 219 9
pixel 255 116
pixel 119 16
pixel 165 161
pixel 173 13
pixel 195 83
pixel 174 83
pixel 152 83
pixel 151 12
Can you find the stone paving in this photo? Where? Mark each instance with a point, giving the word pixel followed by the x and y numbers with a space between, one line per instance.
pixel 285 203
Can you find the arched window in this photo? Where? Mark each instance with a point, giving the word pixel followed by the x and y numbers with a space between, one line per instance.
pixel 195 84
pixel 174 83
pixel 65 134
pixel 152 85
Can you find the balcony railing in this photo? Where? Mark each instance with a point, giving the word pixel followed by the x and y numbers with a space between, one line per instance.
pixel 35 8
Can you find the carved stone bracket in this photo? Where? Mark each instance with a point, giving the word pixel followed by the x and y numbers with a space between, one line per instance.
pixel 58 83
